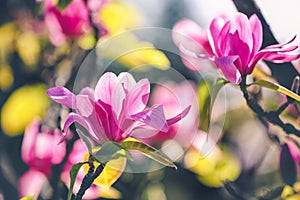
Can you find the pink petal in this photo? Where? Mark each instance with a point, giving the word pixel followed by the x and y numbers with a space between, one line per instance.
pixel 31 183
pixel 215 28
pixel 96 5
pixel 89 92
pixel 108 121
pixel 44 150
pixel 75 19
pixel 241 25
pixel 74 117
pixel 275 53
pixel 294 150
pixel 178 117
pixel 125 84
pixel 189 53
pixel 126 80
pixel 280 58
pixel 153 117
pixel 257 33
pixel 46 140
pixel 137 98
pixel 105 87
pixel 29 141
pixel 192 36
pixel 62 95
pixel 59 152
pixel 274 46
pixel 56 34
pixel 238 47
pixel 84 105
pixel 193 60
pixel 102 110
pixel 229 69
pixel 223 45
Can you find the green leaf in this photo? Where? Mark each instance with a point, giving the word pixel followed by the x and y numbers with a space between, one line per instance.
pixel 73 174
pixel 62 4
pixel 110 151
pixel 207 93
pixel 204 99
pixel 278 88
pixel 85 139
pixel 151 152
pixel 297 103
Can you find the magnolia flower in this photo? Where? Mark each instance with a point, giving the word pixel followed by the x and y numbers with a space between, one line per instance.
pixel 115 109
pixel 73 21
pixel 39 154
pixel 232 44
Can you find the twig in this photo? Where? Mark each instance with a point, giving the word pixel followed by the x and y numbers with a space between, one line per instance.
pixel 89 178
pixel 271 116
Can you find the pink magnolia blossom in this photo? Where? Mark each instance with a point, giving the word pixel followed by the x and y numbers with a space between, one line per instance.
pixel 40 151
pixel 115 109
pixel 232 44
pixel 73 21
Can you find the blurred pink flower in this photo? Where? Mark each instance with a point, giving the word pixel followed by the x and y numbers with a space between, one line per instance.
pixel 40 151
pixel 73 21
pixel 288 161
pixel 115 109
pixel 232 44
pixel 174 97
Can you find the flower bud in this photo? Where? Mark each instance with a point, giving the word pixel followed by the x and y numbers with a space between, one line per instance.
pixel 296 84
pixel 288 162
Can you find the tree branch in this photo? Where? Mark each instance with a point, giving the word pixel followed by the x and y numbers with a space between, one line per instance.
pixel 89 178
pixel 271 116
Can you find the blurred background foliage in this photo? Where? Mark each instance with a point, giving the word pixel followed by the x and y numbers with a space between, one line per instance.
pixel 245 156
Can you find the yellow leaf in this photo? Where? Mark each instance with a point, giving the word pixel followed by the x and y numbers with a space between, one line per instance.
pixel 29 48
pixel 195 162
pixel 110 193
pixel 294 197
pixel 114 20
pixel 220 165
pixel 87 41
pixel 111 172
pixel 129 51
pixel 6 77
pixel 278 88
pixel 27 198
pixel 7 37
pixel 287 191
pixel 22 106
pixel 261 72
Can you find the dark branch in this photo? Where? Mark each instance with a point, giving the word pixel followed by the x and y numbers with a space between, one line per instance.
pixel 89 178
pixel 271 116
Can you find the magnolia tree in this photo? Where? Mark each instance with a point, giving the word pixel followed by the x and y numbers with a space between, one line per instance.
pixel 112 107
